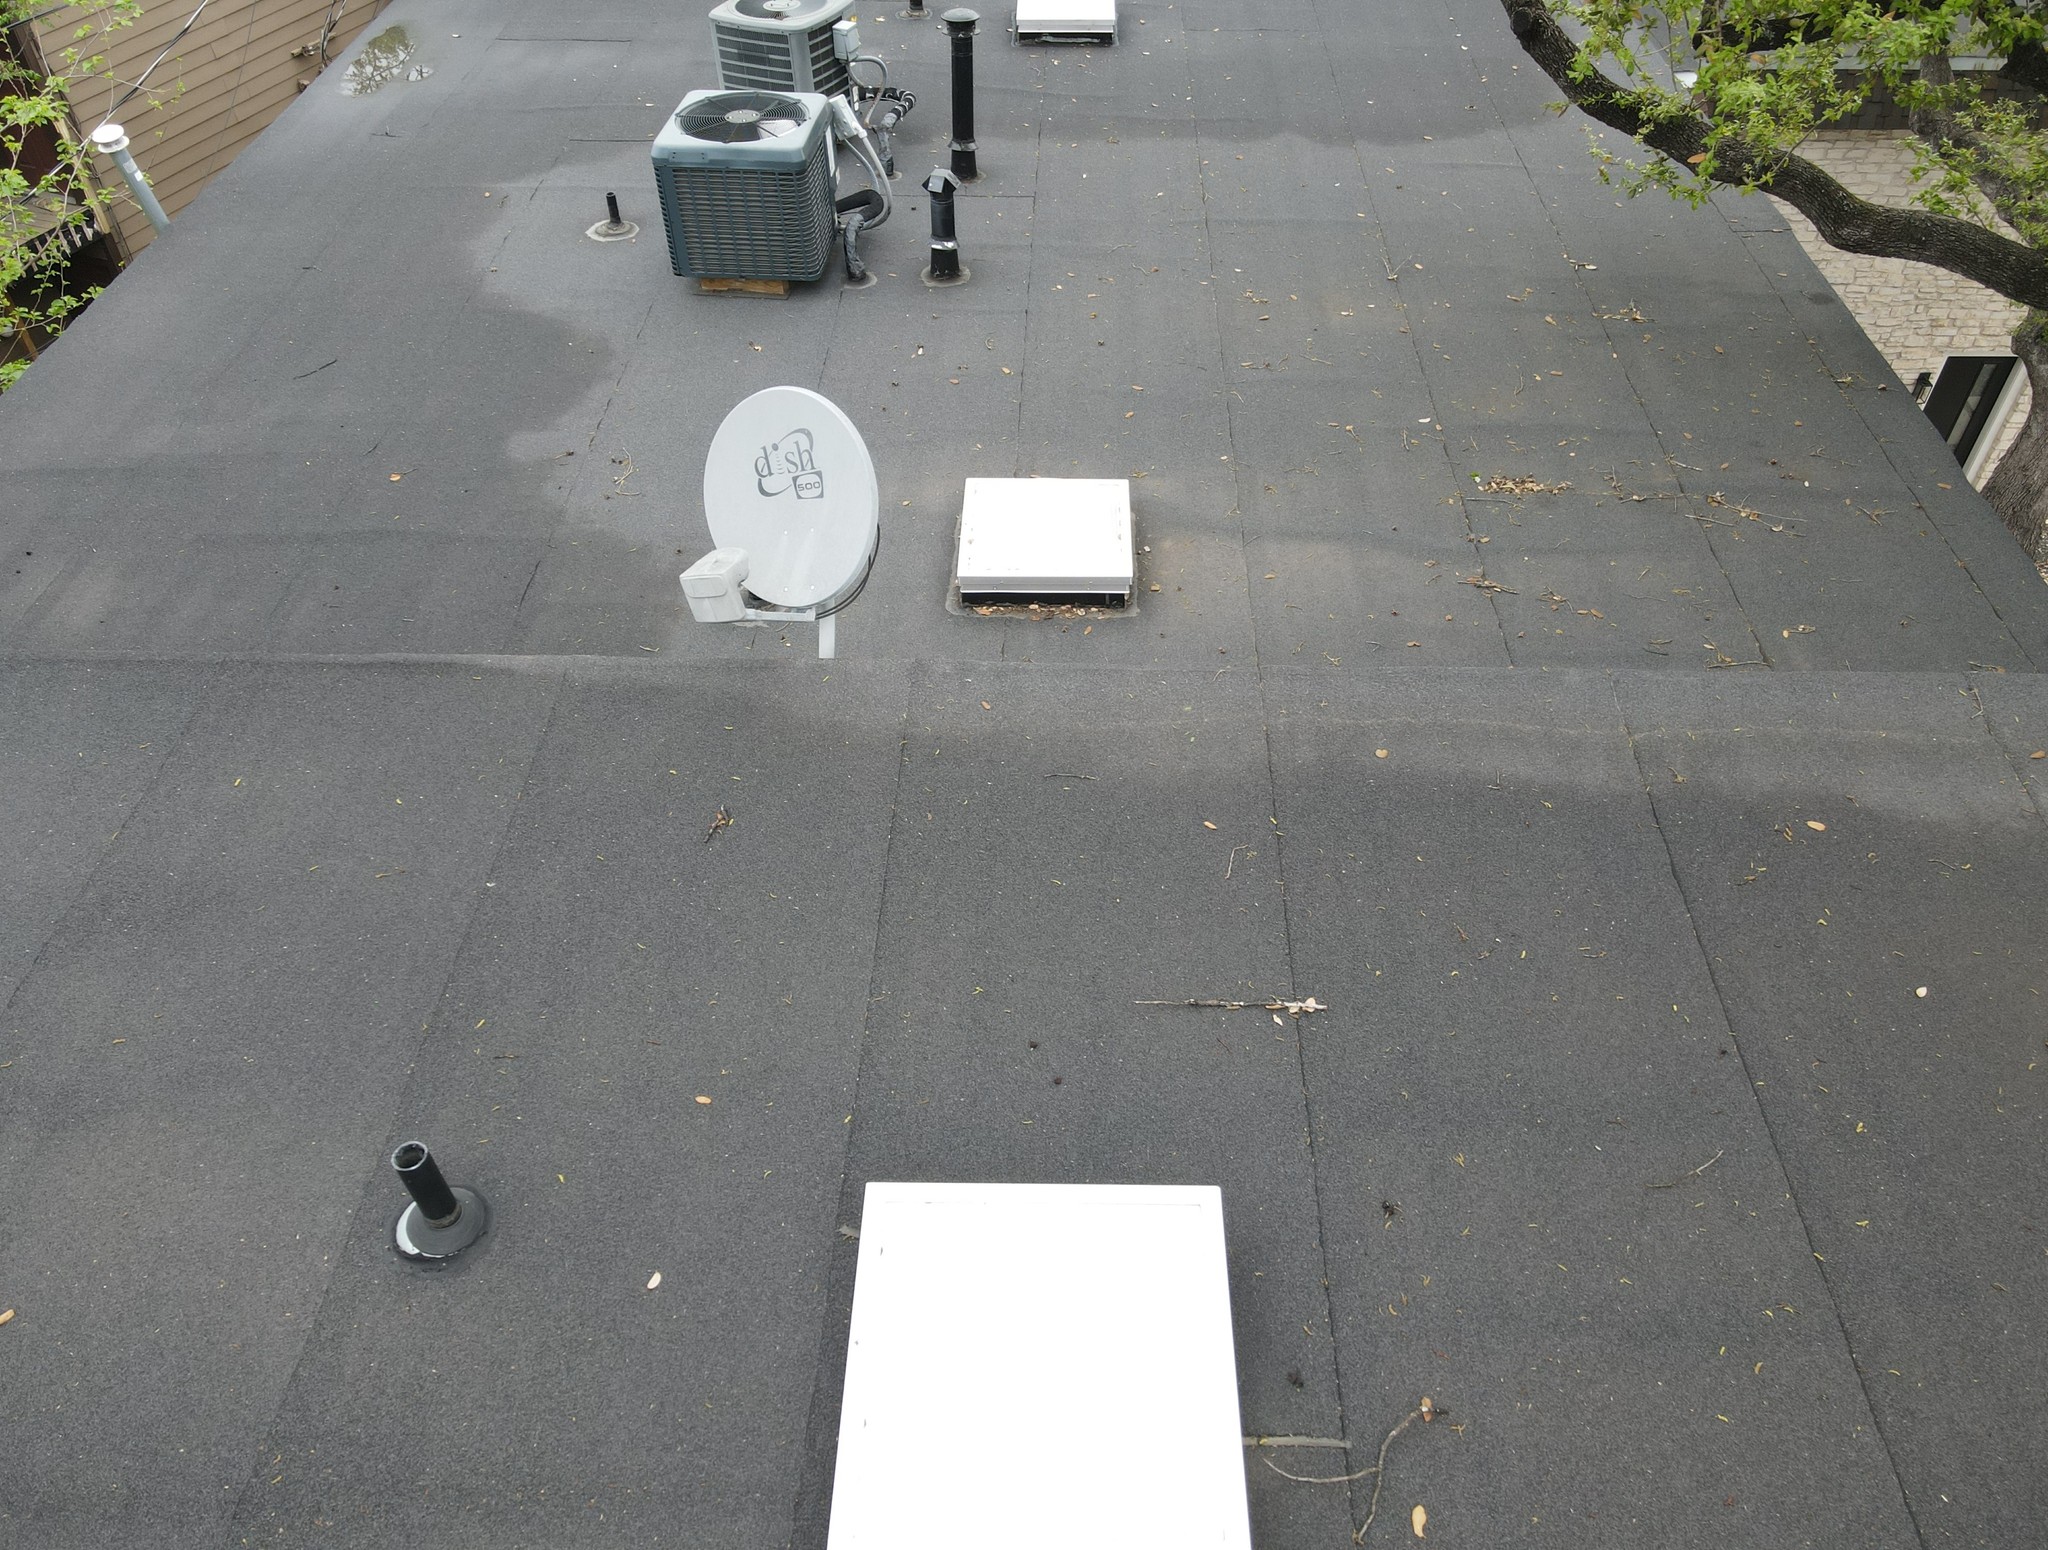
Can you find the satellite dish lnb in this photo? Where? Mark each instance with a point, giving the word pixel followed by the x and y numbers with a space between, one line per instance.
pixel 791 499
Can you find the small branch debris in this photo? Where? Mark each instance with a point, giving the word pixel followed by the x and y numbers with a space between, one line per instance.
pixel 1622 493
pixel 1776 524
pixel 719 820
pixel 1425 1412
pixel 1485 585
pixel 1292 1008
pixel 1360 1474
pixel 1693 1174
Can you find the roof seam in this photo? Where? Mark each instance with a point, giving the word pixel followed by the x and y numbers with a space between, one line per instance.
pixel 311 1329
pixel 1750 1079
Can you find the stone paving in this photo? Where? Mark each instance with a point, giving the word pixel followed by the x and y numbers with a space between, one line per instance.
pixel 1916 314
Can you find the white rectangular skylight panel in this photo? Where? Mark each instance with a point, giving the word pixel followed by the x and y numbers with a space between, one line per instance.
pixel 1025 536
pixel 1040 1365
pixel 1067 18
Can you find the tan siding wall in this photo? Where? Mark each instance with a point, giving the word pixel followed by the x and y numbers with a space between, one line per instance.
pixel 226 79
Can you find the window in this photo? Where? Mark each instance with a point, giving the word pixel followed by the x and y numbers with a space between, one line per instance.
pixel 1969 404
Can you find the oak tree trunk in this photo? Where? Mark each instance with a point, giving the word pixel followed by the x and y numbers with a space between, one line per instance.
pixel 2018 490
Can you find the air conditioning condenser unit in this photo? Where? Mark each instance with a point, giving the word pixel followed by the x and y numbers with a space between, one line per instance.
pixel 746 182
pixel 785 45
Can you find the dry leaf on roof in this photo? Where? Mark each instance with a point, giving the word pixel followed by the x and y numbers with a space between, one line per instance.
pixel 1297 1008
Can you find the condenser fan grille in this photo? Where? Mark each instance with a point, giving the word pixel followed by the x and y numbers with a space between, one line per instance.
pixel 742 118
pixel 783 10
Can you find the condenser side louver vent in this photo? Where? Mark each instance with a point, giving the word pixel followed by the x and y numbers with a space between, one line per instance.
pixel 765 61
pixel 744 223
pixel 827 68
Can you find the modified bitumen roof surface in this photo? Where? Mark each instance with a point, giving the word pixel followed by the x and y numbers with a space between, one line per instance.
pixel 1666 848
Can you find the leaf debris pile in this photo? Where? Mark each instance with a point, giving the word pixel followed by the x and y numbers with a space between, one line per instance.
pixel 1043 611
pixel 1521 484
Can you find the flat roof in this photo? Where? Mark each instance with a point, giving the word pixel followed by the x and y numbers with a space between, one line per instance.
pixel 1574 663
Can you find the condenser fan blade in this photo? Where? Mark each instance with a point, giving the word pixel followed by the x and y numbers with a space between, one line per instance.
pixel 711 126
pixel 723 132
pixel 771 127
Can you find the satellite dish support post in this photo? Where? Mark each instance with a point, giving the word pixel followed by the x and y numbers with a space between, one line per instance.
pixel 749 617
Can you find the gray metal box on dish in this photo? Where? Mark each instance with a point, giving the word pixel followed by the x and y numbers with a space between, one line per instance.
pixel 746 185
pixel 784 45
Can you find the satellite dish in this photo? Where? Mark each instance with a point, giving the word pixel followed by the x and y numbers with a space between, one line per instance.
pixel 789 481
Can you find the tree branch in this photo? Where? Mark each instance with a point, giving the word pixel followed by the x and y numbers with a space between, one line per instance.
pixel 1844 220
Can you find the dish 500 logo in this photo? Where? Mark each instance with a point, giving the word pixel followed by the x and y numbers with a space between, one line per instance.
pixel 790 465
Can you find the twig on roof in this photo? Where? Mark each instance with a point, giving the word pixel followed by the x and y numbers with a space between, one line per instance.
pixel 1693 1174
pixel 1424 1412
pixel 1292 1008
